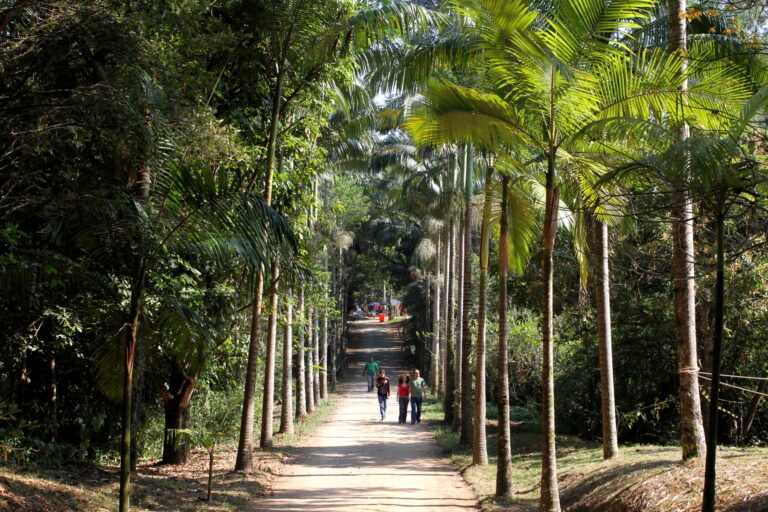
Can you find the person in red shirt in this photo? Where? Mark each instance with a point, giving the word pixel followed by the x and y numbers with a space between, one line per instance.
pixel 403 390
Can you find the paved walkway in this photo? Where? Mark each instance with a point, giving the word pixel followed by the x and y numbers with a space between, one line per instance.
pixel 355 462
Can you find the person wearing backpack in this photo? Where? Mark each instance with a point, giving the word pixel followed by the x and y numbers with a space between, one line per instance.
pixel 382 385
pixel 370 370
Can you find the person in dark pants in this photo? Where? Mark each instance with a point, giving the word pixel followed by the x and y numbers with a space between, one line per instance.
pixel 382 385
pixel 418 389
pixel 403 390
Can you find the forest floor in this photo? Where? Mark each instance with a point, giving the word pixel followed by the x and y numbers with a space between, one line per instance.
pixel 645 478
pixel 93 487
pixel 344 458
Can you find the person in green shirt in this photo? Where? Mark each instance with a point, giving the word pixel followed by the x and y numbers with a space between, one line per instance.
pixel 418 390
pixel 370 370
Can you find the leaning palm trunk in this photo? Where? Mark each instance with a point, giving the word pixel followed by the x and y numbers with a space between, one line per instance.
pixel 301 391
pixel 550 498
pixel 244 460
pixel 691 422
pixel 479 442
pixel 504 461
pixel 605 345
pixel 268 401
pixel 286 411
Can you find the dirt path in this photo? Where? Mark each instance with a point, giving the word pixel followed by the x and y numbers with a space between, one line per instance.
pixel 355 462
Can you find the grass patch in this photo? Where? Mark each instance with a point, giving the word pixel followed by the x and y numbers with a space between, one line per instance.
pixel 645 478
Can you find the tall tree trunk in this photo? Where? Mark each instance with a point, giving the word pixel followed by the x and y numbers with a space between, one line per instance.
pixel 708 503
pixel 434 371
pixel 139 376
pixel 691 422
pixel 244 459
pixel 446 320
pixel 301 389
pixel 176 402
pixel 605 345
pixel 316 355
pixel 310 363
pixel 449 404
pixel 479 441
pixel 465 434
pixel 286 411
pixel 504 460
pixel 268 400
pixel 550 497
pixel 324 357
pixel 137 292
pixel 458 332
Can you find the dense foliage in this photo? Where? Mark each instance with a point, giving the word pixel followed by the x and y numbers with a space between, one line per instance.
pixel 176 176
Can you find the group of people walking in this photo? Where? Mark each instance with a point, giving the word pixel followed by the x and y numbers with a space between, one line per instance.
pixel 410 388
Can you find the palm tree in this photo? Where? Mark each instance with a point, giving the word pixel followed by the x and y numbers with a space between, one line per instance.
pixel 683 257
pixel 543 74
pixel 465 431
pixel 715 153
pixel 479 442
pixel 299 26
pixel 226 224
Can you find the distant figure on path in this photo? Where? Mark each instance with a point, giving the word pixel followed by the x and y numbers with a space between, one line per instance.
pixel 403 390
pixel 418 388
pixel 369 370
pixel 382 384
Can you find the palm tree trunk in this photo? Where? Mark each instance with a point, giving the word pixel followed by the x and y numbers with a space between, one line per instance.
pixel 504 460
pixel 605 345
pixel 479 441
pixel 301 390
pixel 449 408
pixel 550 497
pixel 465 431
pixel 244 459
pixel 457 350
pixel 286 411
pixel 446 320
pixel 268 400
pixel 434 371
pixel 691 422
pixel 316 355
pixel 708 503
pixel 137 292
pixel 309 364
pixel 324 358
